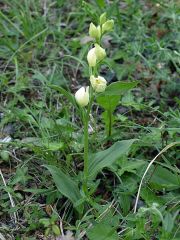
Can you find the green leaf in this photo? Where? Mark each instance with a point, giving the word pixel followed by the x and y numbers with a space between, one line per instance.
pixel 45 221
pixel 119 88
pixel 108 102
pixel 107 157
pixel 102 231
pixel 150 197
pixel 101 3
pixel 110 98
pixel 163 178
pixel 56 230
pixel 4 155
pixel 125 203
pixel 53 146
pixel 68 95
pixel 130 166
pixel 168 222
pixel 21 176
pixel 47 231
pixel 65 184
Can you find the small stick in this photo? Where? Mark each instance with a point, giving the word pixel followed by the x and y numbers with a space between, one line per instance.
pixel 152 161
pixel 10 197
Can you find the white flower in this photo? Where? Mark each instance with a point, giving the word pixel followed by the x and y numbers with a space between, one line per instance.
pixel 91 57
pixel 82 96
pixel 98 83
pixel 95 55
pixel 100 52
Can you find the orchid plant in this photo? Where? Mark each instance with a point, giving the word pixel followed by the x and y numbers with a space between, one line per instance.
pixel 108 97
pixel 85 95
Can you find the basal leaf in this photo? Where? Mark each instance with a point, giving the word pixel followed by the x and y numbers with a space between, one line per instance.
pixel 102 231
pixel 65 184
pixel 168 222
pixel 130 166
pixel 163 178
pixel 107 157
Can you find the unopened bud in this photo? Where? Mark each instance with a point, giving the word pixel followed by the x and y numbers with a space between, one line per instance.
pixel 108 26
pixel 94 32
pixel 99 52
pixel 102 18
pixel 91 57
pixel 82 96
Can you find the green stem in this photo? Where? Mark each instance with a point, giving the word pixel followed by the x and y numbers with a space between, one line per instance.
pixel 86 143
pixel 110 123
pixel 86 116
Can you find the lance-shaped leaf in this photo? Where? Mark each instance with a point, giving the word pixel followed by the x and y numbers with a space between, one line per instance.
pixel 64 184
pixel 107 157
pixel 102 231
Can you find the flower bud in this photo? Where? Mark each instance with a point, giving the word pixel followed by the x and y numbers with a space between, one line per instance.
pixel 91 57
pixel 108 26
pixel 99 52
pixel 82 96
pixel 102 18
pixel 98 83
pixel 94 32
pixel 99 31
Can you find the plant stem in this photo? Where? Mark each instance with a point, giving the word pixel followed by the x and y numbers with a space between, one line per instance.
pixel 110 123
pixel 86 116
pixel 86 143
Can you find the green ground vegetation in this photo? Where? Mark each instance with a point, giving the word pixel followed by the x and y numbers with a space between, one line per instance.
pixel 43 49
